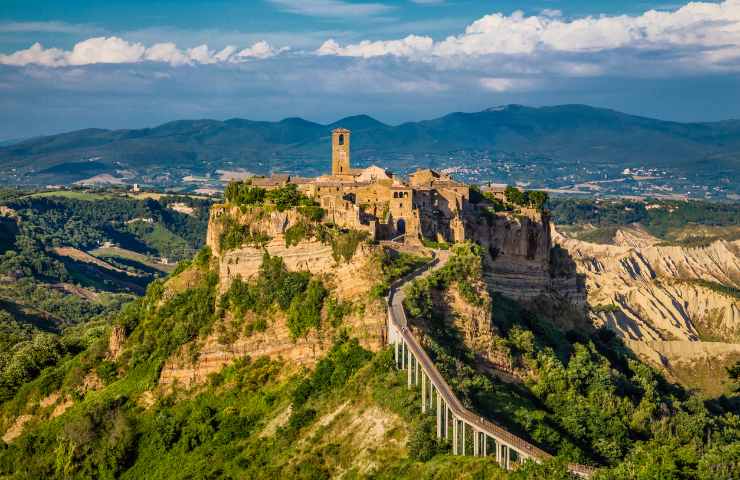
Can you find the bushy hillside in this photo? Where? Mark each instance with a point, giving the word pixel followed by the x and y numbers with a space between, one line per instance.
pixel 578 393
pixel 53 277
pixel 94 404
pixel 94 413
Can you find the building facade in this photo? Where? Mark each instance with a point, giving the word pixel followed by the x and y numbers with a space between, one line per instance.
pixel 429 205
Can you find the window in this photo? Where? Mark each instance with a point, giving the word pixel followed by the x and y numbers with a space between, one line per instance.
pixel 341 139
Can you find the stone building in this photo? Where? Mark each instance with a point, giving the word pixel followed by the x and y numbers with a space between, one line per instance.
pixel 427 206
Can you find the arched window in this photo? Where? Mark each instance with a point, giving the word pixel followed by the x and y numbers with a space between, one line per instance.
pixel 341 139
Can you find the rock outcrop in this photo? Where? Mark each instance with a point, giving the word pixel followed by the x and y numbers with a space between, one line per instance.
pixel 115 342
pixel 652 293
pixel 518 256
pixel 275 342
pixel 660 299
pixel 348 280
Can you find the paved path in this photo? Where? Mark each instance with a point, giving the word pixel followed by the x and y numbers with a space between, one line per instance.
pixel 410 355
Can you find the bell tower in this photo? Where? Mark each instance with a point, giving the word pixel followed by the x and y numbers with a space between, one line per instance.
pixel 340 152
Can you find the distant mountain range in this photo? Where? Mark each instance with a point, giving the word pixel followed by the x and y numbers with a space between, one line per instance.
pixel 569 134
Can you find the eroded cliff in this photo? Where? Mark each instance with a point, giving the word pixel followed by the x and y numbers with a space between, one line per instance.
pixel 666 302
pixel 349 281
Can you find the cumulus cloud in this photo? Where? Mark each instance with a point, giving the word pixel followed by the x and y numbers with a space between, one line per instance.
pixel 410 46
pixel 704 30
pixel 116 50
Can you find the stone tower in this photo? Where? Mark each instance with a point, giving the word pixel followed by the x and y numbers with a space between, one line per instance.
pixel 340 152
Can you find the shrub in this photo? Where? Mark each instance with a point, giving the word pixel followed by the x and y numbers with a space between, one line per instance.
pixel 295 234
pixel 344 244
pixel 423 443
pixel 304 313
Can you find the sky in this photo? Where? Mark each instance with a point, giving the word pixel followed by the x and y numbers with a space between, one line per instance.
pixel 132 64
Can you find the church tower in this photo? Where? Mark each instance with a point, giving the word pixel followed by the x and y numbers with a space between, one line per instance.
pixel 340 152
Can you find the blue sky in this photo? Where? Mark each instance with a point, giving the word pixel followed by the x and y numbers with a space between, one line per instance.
pixel 114 64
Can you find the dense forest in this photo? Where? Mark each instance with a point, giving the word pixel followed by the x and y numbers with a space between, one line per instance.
pixel 45 293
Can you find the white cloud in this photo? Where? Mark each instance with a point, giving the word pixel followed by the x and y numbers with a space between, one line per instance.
pixel 51 57
pixel 551 12
pixel 260 50
pixel 166 53
pixel 105 50
pixel 699 28
pixel 116 50
pixel 330 8
pixel 410 46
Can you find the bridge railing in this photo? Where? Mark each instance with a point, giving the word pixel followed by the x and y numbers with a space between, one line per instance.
pixel 399 334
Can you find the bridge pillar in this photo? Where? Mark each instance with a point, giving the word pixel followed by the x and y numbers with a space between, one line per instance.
pixel 409 372
pixel 447 422
pixel 416 371
pixel 454 436
pixel 485 445
pixel 498 453
pixel 423 391
pixel 476 443
pixel 463 437
pixel 439 417
pixel 403 354
pixel 395 351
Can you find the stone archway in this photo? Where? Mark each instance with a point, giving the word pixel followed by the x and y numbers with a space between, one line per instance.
pixel 401 226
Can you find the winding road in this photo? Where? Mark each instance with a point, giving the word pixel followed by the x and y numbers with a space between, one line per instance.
pixel 452 417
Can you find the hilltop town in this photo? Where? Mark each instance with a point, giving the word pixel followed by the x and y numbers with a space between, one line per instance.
pixel 430 205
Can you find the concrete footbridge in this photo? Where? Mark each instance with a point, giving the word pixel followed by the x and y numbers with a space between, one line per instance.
pixel 454 421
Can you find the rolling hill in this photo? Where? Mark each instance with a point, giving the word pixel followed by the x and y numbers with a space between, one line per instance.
pixel 569 134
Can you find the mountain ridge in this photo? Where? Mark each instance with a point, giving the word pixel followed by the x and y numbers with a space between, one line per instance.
pixel 564 133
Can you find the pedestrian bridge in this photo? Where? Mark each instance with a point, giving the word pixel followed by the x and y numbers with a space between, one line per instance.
pixel 454 422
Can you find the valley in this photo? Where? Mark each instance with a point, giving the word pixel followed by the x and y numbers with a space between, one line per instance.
pixel 601 334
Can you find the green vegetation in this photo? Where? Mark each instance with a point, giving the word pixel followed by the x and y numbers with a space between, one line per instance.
pixel 156 333
pixel 296 293
pixel 283 198
pixel 395 265
pixel 435 245
pixel 235 234
pixel 462 269
pixel 344 243
pixel 731 292
pixel 85 224
pixel 586 398
pixel 733 373
pixel 664 219
pixel 609 308
pixel 525 198
pixel 304 313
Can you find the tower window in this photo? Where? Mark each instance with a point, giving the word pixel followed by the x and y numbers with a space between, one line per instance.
pixel 341 139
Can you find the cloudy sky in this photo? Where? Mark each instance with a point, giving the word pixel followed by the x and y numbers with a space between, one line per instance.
pixel 111 64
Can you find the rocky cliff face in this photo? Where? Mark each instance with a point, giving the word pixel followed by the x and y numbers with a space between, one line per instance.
pixel 348 280
pixel 518 256
pixel 651 292
pixel 657 296
pixel 366 324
